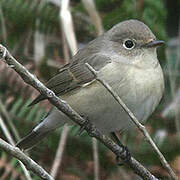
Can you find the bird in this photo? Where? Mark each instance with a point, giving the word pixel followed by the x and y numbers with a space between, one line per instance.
pixel 126 58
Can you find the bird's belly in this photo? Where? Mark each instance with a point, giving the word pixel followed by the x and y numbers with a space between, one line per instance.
pixel 95 102
pixel 99 106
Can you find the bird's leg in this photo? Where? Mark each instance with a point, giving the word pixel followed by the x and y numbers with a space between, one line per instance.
pixel 81 129
pixel 125 149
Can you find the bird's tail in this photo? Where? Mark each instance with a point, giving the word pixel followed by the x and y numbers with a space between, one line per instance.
pixel 31 140
pixel 54 120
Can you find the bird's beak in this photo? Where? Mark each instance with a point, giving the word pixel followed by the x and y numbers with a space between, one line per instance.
pixel 153 43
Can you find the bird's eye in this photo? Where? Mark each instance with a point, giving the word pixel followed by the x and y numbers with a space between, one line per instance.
pixel 129 44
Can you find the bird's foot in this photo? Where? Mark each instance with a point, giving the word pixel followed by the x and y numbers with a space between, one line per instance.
pixel 126 153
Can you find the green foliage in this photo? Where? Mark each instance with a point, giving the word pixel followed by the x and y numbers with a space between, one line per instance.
pixel 23 16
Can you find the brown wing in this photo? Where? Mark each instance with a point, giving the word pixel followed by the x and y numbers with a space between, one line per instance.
pixel 74 75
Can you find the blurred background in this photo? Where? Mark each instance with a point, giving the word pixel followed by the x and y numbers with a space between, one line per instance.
pixel 43 35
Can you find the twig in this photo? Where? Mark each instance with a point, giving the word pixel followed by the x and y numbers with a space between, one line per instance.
pixel 94 15
pixel 96 159
pixel 172 80
pixel 6 115
pixel 60 150
pixel 66 109
pixel 135 121
pixel 173 76
pixel 177 111
pixel 3 26
pixel 6 132
pixel 28 162
pixel 174 105
pixel 10 139
pixel 67 25
pixel 65 49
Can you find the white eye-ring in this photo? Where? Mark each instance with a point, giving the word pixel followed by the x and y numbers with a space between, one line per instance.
pixel 128 44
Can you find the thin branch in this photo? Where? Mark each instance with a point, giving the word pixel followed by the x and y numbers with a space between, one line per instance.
pixel 173 75
pixel 66 53
pixel 96 159
pixel 135 121
pixel 94 15
pixel 177 111
pixel 60 150
pixel 39 45
pixel 28 162
pixel 67 25
pixel 173 106
pixel 66 109
pixel 10 139
pixel 10 123
pixel 6 132
pixel 172 80
pixel 3 25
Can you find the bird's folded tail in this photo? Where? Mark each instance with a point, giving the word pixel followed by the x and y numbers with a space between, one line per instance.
pixel 31 140
pixel 51 122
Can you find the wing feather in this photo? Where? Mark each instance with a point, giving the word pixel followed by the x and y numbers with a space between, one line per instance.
pixel 76 74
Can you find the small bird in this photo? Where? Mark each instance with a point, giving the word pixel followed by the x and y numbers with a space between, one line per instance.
pixel 125 57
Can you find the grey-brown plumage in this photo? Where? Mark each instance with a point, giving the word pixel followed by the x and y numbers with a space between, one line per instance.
pixel 126 59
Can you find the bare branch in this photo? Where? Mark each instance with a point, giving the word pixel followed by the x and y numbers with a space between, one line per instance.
pixel 3 26
pixel 66 109
pixel 172 80
pixel 8 120
pixel 60 150
pixel 96 159
pixel 173 106
pixel 10 139
pixel 28 162
pixel 94 15
pixel 67 25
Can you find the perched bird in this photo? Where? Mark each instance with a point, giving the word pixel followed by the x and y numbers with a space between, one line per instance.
pixel 125 57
